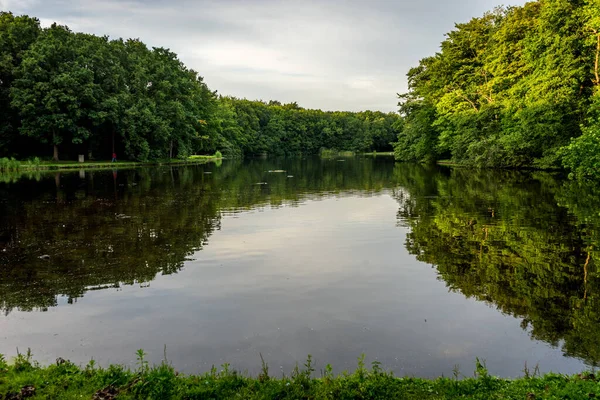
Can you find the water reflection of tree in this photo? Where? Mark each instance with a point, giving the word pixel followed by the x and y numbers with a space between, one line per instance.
pixel 525 242
pixel 92 239
pixel 120 227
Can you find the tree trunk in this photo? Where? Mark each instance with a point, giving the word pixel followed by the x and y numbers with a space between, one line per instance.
pixel 55 156
pixel 113 140
pixel 171 150
pixel 597 61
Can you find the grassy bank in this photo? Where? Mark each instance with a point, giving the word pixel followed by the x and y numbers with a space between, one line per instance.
pixel 379 153
pixel 24 378
pixel 330 153
pixel 12 165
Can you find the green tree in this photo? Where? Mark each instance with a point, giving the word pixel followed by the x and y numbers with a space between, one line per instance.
pixel 509 89
pixel 53 89
pixel 17 34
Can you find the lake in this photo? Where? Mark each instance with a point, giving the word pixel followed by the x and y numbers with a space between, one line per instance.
pixel 419 267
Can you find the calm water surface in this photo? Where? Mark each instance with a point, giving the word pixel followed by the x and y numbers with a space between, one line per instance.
pixel 420 268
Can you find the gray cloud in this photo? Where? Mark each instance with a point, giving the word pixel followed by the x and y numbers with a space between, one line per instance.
pixel 333 55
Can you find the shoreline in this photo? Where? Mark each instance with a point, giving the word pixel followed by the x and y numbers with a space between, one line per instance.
pixel 449 163
pixel 378 154
pixel 91 165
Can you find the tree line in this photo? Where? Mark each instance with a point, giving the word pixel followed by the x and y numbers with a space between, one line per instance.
pixel 64 93
pixel 517 87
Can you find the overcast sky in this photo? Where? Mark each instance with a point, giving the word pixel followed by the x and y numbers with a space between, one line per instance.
pixel 328 54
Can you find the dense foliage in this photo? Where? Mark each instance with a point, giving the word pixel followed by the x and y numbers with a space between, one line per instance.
pixel 288 129
pixel 25 378
pixel 78 93
pixel 516 87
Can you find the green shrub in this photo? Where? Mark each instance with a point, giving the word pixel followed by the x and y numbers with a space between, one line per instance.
pixel 330 153
pixel 218 154
pixel 9 164
pixel 582 155
pixel 3 364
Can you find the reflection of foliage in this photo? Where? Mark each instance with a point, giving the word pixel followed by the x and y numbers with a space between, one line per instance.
pixel 525 242
pixel 502 238
pixel 104 231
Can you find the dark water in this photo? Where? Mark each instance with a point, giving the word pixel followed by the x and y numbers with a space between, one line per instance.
pixel 421 268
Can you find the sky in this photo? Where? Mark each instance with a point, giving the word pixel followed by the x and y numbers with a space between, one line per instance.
pixel 330 54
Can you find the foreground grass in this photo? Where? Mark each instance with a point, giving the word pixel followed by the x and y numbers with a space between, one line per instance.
pixel 24 378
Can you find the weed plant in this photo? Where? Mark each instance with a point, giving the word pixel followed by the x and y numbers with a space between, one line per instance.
pixel 24 377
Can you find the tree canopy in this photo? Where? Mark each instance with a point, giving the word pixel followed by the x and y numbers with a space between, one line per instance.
pixel 517 87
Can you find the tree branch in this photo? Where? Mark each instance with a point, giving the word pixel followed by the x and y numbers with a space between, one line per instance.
pixel 597 81
pixel 469 100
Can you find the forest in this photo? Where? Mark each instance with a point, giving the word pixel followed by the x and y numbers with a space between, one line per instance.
pixel 64 93
pixel 517 87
